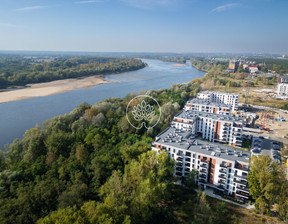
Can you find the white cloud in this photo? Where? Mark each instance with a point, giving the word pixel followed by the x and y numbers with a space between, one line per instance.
pixel 226 7
pixel 30 8
pixel 88 1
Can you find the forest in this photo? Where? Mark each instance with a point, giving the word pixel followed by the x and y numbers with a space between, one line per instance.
pixel 272 64
pixel 20 70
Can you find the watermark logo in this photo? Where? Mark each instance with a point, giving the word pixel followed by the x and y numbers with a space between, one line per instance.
pixel 143 111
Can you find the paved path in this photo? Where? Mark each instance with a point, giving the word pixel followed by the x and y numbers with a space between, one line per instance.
pixel 210 193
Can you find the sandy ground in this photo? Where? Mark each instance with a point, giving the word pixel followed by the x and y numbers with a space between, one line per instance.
pixel 50 88
pixel 178 64
pixel 279 128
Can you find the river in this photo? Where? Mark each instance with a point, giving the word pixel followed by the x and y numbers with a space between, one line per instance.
pixel 18 116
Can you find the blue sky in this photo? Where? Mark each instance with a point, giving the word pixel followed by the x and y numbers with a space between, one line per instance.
pixel 258 26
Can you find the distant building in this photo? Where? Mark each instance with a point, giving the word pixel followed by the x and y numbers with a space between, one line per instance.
pixel 212 127
pixel 253 68
pixel 221 97
pixel 233 65
pixel 220 167
pixel 203 105
pixel 245 65
pixel 282 89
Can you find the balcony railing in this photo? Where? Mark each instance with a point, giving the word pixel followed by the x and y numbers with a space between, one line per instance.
pixel 203 171
pixel 241 168
pixel 240 181
pixel 241 176
pixel 222 176
pixel 221 182
pixel 204 161
pixel 203 176
pixel 203 165
pixel 223 165
pixel 242 193
pixel 223 171
pixel 243 188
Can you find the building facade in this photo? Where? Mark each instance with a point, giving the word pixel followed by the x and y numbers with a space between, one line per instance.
pixel 197 104
pixel 221 97
pixel 219 166
pixel 282 89
pixel 212 127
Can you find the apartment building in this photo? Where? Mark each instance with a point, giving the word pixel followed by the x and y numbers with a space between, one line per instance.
pixel 204 105
pixel 221 97
pixel 212 127
pixel 219 166
pixel 282 89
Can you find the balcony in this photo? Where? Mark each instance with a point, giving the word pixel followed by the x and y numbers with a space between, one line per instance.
pixel 179 159
pixel 221 182
pixel 246 189
pixel 242 194
pixel 223 165
pixel 240 181
pixel 222 176
pixel 223 171
pixel 245 168
pixel 202 176
pixel 204 161
pixel 179 164
pixel 241 176
pixel 203 171
pixel 203 165
pixel 188 160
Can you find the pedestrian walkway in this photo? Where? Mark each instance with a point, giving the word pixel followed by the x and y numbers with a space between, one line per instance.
pixel 209 192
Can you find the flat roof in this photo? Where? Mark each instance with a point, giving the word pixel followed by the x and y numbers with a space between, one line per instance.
pixel 216 92
pixel 194 114
pixel 182 139
pixel 207 103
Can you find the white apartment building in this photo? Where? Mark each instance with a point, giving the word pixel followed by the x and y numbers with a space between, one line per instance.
pixel 282 89
pixel 212 127
pixel 204 105
pixel 220 167
pixel 221 97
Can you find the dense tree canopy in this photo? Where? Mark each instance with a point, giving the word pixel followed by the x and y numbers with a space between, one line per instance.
pixel 19 70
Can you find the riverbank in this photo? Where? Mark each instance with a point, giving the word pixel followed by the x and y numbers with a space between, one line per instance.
pixel 51 88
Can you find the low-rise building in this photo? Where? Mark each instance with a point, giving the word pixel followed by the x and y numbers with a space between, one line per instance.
pixel 282 89
pixel 219 166
pixel 212 127
pixel 197 104
pixel 221 97
pixel 253 68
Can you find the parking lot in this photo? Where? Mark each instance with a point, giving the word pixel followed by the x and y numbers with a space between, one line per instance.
pixel 264 146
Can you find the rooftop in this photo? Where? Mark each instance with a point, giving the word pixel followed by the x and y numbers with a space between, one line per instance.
pixel 182 139
pixel 194 114
pixel 215 92
pixel 207 103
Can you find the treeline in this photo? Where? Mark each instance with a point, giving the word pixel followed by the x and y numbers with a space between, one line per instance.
pixel 167 58
pixel 204 64
pixel 272 64
pixel 91 166
pixel 19 71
